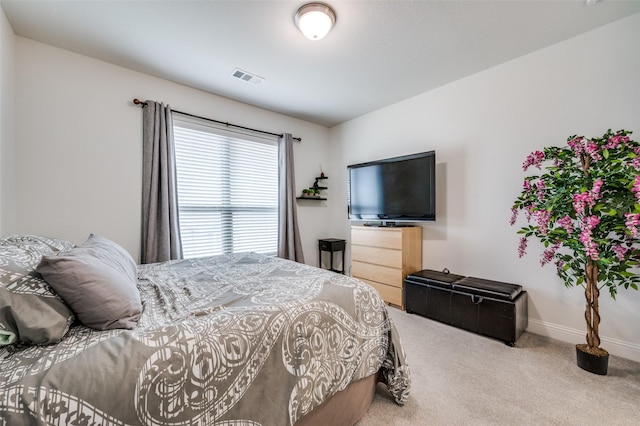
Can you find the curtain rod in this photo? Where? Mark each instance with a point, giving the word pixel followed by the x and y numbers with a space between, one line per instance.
pixel 139 102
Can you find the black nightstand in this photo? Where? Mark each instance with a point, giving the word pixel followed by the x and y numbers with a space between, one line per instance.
pixel 331 245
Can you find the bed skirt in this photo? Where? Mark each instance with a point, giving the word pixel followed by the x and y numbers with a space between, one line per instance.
pixel 346 407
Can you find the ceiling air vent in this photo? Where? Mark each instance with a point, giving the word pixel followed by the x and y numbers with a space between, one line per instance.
pixel 247 77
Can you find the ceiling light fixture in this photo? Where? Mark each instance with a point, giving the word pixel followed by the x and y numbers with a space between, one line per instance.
pixel 315 20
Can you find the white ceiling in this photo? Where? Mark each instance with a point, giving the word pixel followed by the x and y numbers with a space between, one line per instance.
pixel 379 52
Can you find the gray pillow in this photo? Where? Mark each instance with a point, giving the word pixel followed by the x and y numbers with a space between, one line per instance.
pixel 98 280
pixel 30 310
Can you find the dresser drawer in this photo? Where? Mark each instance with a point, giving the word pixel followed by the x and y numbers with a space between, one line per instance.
pixel 377 273
pixel 376 255
pixel 390 294
pixel 382 257
pixel 377 237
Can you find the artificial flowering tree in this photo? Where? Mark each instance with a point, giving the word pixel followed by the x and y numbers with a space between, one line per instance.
pixel 584 207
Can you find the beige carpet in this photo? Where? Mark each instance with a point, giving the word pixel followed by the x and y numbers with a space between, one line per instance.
pixel 460 378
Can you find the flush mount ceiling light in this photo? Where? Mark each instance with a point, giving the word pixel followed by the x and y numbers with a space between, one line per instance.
pixel 315 20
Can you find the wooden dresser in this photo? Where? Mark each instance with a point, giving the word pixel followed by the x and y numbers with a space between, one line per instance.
pixel 383 257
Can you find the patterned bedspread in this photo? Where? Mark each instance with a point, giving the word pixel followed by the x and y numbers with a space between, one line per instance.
pixel 239 339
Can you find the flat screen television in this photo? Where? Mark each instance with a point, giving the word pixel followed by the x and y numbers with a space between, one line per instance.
pixel 398 189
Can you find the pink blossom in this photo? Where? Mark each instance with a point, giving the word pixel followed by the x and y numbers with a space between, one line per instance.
pixel 620 251
pixel 528 213
pixel 632 219
pixel 615 140
pixel 514 215
pixel 577 144
pixel 522 247
pixel 533 159
pixel 589 245
pixel 547 255
pixel 632 223
pixel 592 150
pixel 540 185
pixel 543 218
pixel 595 191
pixel 527 185
pixel 586 237
pixel 581 201
pixel 636 161
pixel 636 188
pixel 587 198
pixel 567 223
pixel 591 222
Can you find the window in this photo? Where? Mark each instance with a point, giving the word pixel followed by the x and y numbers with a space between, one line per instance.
pixel 227 190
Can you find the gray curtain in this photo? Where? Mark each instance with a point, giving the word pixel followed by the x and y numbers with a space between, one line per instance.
pixel 160 226
pixel 289 245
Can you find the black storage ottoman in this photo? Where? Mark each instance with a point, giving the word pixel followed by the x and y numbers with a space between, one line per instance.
pixel 428 293
pixel 490 308
pixel 486 307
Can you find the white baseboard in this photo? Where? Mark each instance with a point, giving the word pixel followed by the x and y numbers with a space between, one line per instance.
pixel 615 347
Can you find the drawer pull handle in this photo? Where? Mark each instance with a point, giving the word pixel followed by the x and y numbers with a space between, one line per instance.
pixel 476 299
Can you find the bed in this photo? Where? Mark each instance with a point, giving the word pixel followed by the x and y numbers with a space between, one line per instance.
pixel 240 339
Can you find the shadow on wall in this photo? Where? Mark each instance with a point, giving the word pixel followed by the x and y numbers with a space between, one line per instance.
pixel 438 230
pixel 451 193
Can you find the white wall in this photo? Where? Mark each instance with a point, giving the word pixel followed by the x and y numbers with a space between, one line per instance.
pixel 482 128
pixel 76 168
pixel 7 60
pixel 78 145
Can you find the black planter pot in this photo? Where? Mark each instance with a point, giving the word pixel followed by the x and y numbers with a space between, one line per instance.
pixel 592 363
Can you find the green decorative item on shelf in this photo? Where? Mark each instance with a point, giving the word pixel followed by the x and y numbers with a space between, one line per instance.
pixel 313 192
pixel 585 209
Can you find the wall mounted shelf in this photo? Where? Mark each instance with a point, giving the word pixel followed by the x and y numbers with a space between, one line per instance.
pixel 316 187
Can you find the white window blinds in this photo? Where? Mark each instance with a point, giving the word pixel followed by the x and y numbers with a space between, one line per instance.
pixel 227 190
